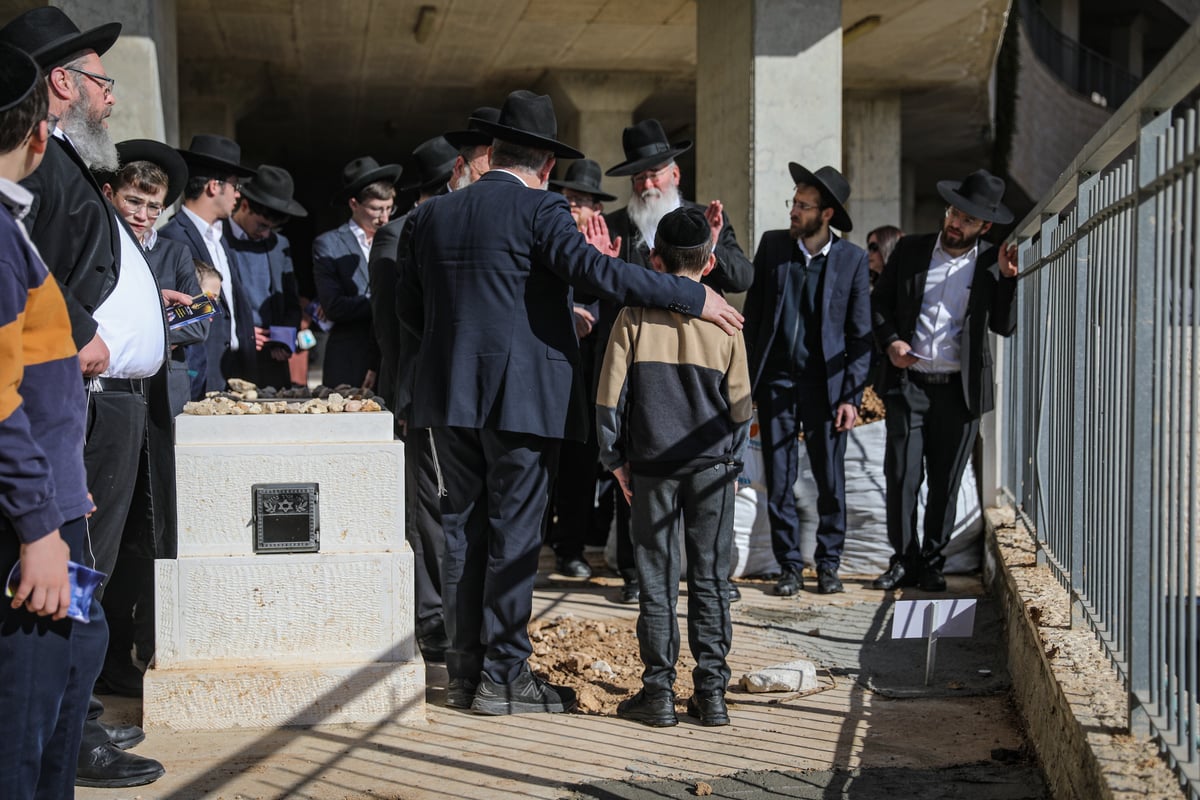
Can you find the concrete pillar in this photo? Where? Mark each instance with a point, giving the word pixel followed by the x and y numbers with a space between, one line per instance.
pixel 871 143
pixel 1128 45
pixel 143 61
pixel 593 108
pixel 768 91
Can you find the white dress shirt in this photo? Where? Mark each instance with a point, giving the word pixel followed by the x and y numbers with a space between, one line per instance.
pixel 944 310
pixel 808 257
pixel 130 319
pixel 211 234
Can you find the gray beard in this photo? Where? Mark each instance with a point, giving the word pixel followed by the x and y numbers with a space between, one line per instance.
pixel 645 212
pixel 463 181
pixel 90 139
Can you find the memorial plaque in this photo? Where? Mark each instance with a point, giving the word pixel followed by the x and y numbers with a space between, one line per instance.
pixel 286 518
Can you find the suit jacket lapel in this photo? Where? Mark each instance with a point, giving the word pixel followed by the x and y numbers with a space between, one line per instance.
pixel 350 241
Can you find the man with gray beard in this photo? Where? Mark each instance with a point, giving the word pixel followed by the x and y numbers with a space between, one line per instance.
pixel 116 313
pixel 650 161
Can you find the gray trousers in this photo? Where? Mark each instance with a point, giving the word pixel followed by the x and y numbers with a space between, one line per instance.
pixel 705 500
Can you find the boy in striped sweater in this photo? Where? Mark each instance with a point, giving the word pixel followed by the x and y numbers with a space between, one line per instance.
pixel 673 417
pixel 48 663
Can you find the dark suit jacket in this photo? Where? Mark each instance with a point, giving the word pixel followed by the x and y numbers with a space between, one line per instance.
pixel 991 305
pixel 340 273
pixel 217 361
pixel 75 230
pixel 397 345
pixel 486 277
pixel 845 313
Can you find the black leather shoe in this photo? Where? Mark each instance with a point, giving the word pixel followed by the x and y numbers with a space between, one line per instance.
pixel 573 567
pixel 460 693
pixel 932 580
pixel 432 640
pixel 790 582
pixel 106 767
pixel 124 736
pixel 894 577
pixel 709 709
pixel 527 694
pixel 735 593
pixel 828 582
pixel 657 711
pixel 630 593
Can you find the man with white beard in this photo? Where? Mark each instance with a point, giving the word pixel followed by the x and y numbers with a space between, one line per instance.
pixel 116 315
pixel 650 161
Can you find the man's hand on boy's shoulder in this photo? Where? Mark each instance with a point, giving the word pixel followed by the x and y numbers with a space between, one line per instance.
pixel 621 473
pixel 718 311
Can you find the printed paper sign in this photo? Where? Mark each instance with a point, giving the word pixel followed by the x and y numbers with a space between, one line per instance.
pixel 952 617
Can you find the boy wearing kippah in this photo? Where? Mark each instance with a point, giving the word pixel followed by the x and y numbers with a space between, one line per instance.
pixel 673 417
pixel 48 662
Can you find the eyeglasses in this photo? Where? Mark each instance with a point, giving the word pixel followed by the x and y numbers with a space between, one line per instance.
pixel 800 204
pixel 965 219
pixel 136 204
pixel 108 83
pixel 232 183
pixel 655 175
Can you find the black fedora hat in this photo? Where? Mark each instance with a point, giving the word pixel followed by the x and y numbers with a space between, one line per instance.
pixel 434 159
pixel 50 36
pixel 979 194
pixel 273 187
pixel 646 146
pixel 210 154
pixel 472 136
pixel 832 186
pixel 161 155
pixel 364 171
pixel 527 119
pixel 583 176
pixel 19 73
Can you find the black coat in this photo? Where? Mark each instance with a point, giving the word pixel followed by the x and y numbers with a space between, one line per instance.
pixel 991 305
pixel 486 278
pixel 340 273
pixel 398 345
pixel 75 230
pixel 845 313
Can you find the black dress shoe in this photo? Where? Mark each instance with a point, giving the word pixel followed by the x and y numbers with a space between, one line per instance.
pixel 630 593
pixel 895 576
pixel 828 582
pixel 461 692
pixel 106 767
pixel 432 640
pixel 709 709
pixel 124 736
pixel 790 582
pixel 735 593
pixel 574 567
pixel 657 711
pixel 932 580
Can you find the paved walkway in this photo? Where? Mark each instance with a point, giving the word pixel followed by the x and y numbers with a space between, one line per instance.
pixel 876 731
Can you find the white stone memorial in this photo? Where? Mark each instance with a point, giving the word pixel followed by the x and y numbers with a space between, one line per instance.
pixel 262 640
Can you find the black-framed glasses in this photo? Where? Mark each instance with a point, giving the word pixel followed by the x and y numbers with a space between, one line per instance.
pixel 233 183
pixel 108 83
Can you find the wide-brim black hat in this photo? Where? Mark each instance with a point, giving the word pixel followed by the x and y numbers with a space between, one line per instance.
pixel 273 187
pixel 979 194
pixel 434 163
pixel 472 136
pixel 50 36
pixel 213 155
pixel 161 155
pixel 832 186
pixel 528 120
pixel 646 146
pixel 19 74
pixel 362 172
pixel 583 176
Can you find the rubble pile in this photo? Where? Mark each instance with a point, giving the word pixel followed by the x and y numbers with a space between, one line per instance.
pixel 244 397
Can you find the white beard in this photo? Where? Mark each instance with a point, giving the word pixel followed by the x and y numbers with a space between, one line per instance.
pixel 646 209
pixel 462 182
pixel 89 138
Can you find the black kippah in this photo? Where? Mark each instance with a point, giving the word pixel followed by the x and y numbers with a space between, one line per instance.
pixel 19 73
pixel 683 228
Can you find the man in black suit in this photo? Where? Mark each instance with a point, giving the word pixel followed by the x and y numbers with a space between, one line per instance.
pixel 808 317
pixel 209 198
pixel 487 274
pixel 115 307
pixel 938 296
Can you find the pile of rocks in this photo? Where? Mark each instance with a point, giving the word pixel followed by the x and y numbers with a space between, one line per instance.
pixel 244 397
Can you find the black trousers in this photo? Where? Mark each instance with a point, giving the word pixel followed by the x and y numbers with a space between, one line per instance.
pixel 574 498
pixel 423 524
pixel 497 488
pixel 930 434
pixel 784 409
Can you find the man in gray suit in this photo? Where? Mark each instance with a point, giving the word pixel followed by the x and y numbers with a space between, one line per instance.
pixel 340 272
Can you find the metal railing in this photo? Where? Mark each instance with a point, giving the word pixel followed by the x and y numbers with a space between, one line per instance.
pixel 1099 447
pixel 1087 72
